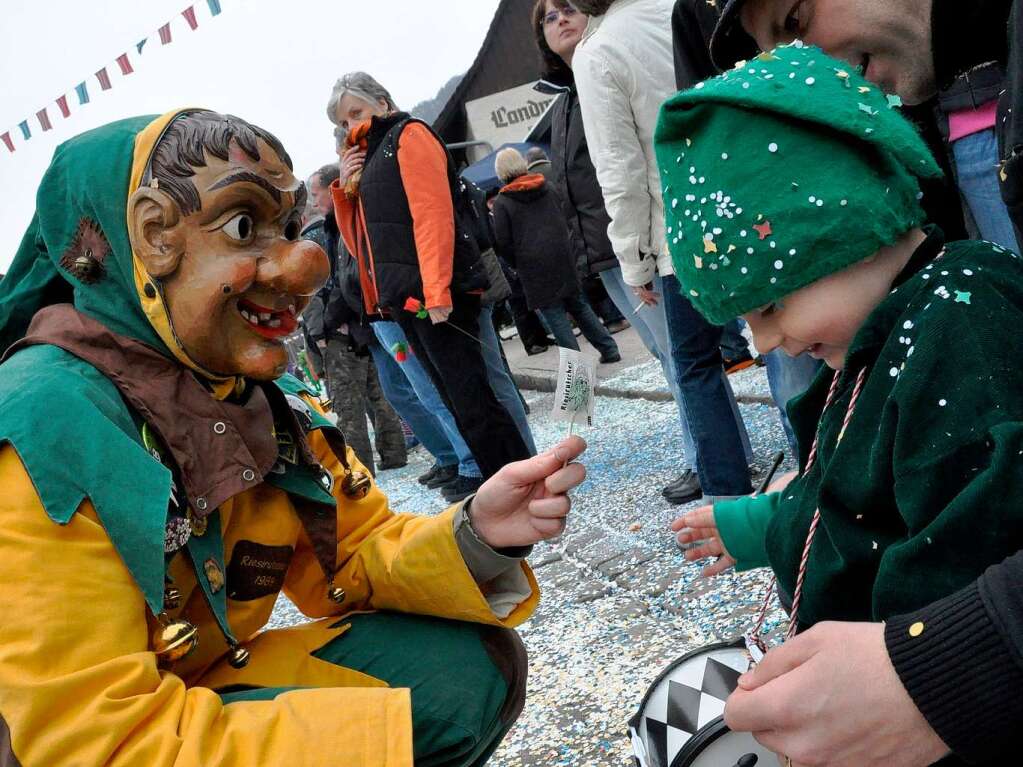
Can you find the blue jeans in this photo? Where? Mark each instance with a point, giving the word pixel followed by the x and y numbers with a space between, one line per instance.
pixel 388 333
pixel 709 403
pixel 652 327
pixel 789 377
pixel 593 329
pixel 500 381
pixel 398 391
pixel 976 159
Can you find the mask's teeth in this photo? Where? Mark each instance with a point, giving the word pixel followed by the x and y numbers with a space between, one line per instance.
pixel 274 323
pixel 264 317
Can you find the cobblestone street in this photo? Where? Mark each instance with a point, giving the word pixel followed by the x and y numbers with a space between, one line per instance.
pixel 619 602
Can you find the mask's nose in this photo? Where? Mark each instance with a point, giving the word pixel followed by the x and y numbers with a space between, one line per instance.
pixel 298 268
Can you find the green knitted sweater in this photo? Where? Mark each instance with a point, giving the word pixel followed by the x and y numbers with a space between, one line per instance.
pixel 917 499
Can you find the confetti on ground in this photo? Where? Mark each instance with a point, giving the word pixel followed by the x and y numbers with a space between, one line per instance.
pixel 618 600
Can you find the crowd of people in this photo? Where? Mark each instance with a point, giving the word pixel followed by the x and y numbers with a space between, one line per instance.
pixel 844 178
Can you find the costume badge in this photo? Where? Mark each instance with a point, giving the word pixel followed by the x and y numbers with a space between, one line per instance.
pixel 257 570
pixel 214 574
pixel 84 259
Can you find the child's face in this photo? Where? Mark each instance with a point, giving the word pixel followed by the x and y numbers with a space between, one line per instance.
pixel 823 318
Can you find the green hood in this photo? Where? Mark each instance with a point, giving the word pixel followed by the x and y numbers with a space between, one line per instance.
pixel 87 181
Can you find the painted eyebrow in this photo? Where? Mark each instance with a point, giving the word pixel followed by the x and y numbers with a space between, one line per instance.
pixel 252 178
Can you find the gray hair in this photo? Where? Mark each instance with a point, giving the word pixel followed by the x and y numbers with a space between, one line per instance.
pixel 360 85
pixel 509 164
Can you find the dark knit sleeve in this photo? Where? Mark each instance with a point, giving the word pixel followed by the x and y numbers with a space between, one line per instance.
pixel 961 660
pixel 692 24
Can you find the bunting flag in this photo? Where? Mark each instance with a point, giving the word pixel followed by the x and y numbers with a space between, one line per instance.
pixel 125 66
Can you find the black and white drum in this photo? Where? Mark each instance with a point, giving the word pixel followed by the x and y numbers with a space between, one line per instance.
pixel 679 722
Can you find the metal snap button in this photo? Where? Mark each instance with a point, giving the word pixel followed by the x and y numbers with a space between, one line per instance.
pixel 248 475
pixel 200 503
pixel 219 427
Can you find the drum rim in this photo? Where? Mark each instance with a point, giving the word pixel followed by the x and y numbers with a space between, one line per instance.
pixel 636 720
pixel 706 735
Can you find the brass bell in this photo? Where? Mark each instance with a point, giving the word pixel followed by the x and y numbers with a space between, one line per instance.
pixel 336 593
pixel 171 597
pixel 238 657
pixel 173 640
pixel 356 485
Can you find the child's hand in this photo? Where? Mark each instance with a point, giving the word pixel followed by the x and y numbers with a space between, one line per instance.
pixel 699 525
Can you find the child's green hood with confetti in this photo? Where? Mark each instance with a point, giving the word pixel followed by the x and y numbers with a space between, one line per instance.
pixel 783 170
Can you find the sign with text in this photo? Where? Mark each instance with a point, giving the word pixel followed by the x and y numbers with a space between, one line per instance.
pixel 505 117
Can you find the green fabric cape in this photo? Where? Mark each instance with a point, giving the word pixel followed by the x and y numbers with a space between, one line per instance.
pixel 68 423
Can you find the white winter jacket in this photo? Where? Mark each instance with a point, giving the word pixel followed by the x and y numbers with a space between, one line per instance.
pixel 624 71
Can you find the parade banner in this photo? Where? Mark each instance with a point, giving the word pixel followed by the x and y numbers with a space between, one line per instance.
pixel 124 66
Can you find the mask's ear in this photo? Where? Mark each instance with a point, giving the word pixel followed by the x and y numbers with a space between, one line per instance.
pixel 154 229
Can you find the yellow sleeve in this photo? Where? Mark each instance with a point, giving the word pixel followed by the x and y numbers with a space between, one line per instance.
pixel 79 685
pixel 402 562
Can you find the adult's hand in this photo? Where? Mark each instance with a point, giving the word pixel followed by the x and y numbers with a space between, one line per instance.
pixel 351 161
pixel 439 314
pixel 527 501
pixel 697 526
pixel 831 696
pixel 647 294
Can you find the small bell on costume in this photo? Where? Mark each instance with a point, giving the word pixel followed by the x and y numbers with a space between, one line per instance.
pixel 171 596
pixel 238 657
pixel 356 484
pixel 336 593
pixel 174 639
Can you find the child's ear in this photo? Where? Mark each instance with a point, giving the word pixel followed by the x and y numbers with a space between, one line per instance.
pixel 155 232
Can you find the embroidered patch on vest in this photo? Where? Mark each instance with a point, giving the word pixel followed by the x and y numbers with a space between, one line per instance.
pixel 84 259
pixel 256 571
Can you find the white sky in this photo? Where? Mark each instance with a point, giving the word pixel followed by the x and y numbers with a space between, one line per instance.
pixel 271 62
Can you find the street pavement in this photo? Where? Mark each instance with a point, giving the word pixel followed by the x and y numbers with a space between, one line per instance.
pixel 618 600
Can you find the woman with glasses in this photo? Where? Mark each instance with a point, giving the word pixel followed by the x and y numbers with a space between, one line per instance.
pixel 395 205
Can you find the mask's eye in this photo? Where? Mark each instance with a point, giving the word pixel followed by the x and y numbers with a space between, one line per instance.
pixel 292 229
pixel 239 228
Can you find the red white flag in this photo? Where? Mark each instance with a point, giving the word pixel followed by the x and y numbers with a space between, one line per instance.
pixel 6 136
pixel 189 14
pixel 44 119
pixel 165 34
pixel 62 103
pixel 124 64
pixel 104 79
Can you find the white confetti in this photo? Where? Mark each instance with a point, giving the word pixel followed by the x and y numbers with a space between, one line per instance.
pixel 772 147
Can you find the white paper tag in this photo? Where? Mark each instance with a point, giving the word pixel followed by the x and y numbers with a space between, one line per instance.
pixel 574 396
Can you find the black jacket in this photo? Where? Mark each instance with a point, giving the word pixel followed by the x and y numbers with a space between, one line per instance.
pixel 575 180
pixel 389 224
pixel 533 238
pixel 343 299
